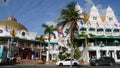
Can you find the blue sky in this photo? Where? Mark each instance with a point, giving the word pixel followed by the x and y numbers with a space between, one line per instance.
pixel 33 13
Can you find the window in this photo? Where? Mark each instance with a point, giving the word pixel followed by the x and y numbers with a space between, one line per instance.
pixel 1 31
pixel 108 30
pixel 118 54
pixel 110 19
pixel 67 59
pixel 99 30
pixel 23 33
pixel 91 29
pixel 116 30
pixel 94 18
pixel 83 29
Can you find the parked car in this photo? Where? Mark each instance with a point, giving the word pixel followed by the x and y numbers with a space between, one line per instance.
pixel 68 62
pixel 103 61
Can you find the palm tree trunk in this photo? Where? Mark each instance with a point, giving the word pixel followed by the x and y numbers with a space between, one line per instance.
pixel 71 56
pixel 71 39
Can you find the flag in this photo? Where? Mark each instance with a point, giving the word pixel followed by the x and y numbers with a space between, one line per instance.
pixel 13 33
pixel 60 31
pixel 6 28
pixel 97 24
pixel 81 22
pixel 116 25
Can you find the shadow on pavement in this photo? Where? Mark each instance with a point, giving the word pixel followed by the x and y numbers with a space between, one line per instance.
pixel 7 64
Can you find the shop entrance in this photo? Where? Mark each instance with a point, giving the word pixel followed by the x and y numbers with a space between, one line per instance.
pixel 92 55
pixel 25 53
pixel 118 54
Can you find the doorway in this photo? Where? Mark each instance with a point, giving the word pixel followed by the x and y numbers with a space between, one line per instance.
pixel 92 55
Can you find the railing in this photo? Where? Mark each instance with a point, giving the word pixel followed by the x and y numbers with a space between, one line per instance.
pixel 111 33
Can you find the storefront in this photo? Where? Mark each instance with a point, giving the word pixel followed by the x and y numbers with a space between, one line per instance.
pixel 18 39
pixel 110 51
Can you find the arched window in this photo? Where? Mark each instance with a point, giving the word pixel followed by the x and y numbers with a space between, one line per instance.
pixel 83 29
pixel 108 30
pixel 116 30
pixel 91 29
pixel 99 29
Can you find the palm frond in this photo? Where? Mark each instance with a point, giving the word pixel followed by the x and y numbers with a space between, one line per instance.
pixel 49 29
pixel 53 35
pixel 45 25
pixel 62 24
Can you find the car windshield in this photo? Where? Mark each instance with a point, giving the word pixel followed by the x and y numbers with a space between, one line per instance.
pixel 69 59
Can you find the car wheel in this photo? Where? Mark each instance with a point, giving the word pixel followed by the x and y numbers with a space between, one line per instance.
pixel 61 64
pixel 111 64
pixel 75 64
pixel 96 64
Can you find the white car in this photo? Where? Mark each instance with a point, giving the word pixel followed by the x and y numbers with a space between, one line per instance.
pixel 68 62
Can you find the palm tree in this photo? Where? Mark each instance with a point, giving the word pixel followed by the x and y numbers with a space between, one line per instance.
pixel 50 31
pixel 85 36
pixel 69 17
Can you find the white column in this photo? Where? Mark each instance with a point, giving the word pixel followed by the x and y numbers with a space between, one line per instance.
pixel 107 53
pixel 98 53
pixel 47 57
pixel 87 56
pixel 115 55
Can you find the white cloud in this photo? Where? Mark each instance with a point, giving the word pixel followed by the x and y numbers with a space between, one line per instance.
pixel 50 23
pixel 102 10
pixel 90 3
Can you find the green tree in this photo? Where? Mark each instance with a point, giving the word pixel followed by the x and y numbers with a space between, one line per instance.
pixel 49 29
pixel 69 17
pixel 85 36
pixel 77 53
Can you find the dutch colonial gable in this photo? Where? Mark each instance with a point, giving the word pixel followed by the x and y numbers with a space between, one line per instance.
pixel 78 8
pixel 110 16
pixel 94 16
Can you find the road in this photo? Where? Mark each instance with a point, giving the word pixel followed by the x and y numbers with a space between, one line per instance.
pixel 54 66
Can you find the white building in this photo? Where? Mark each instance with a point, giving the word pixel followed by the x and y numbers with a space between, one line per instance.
pixel 106 34
pixel 106 31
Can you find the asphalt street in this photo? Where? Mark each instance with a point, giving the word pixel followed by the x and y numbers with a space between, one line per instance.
pixel 53 66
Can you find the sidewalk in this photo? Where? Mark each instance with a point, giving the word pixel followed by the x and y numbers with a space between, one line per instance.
pixel 34 62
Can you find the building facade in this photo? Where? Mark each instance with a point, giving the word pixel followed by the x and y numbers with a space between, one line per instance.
pixel 105 31
pixel 18 39
pixel 106 35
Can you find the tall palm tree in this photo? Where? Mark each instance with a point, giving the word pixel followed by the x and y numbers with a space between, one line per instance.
pixel 69 17
pixel 50 31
